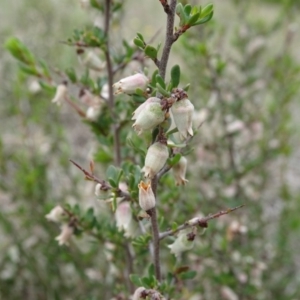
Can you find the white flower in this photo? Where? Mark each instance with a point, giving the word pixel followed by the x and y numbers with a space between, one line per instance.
pixel 91 60
pixel 61 92
pixel 138 293
pixel 182 111
pixel 146 196
pixel 93 113
pixel 65 235
pixel 148 116
pixel 179 171
pixel 128 85
pixel 156 158
pixel 181 243
pixel 102 192
pixel 56 215
pixel 105 91
pixel 124 219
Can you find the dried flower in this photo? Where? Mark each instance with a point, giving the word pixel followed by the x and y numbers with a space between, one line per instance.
pixel 148 116
pixel 124 219
pixel 183 116
pixel 56 215
pixel 128 85
pixel 181 244
pixel 61 92
pixel 91 60
pixel 156 158
pixel 179 171
pixel 65 235
pixel 146 196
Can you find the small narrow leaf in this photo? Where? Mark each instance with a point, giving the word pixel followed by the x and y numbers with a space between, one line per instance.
pixel 151 52
pixel 135 279
pixel 139 43
pixel 162 90
pixel 205 20
pixel 187 9
pixel 175 76
pixel 160 81
pixel 140 36
pixel 193 19
pixel 207 10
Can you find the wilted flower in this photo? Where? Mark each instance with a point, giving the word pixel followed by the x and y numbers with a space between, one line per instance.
pixel 146 196
pixel 148 116
pixel 128 85
pixel 91 60
pixel 61 92
pixel 124 219
pixel 156 158
pixel 181 244
pixel 65 235
pixel 138 293
pixel 182 111
pixel 56 215
pixel 179 171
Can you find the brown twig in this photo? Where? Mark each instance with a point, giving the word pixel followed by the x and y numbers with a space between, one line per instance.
pixel 80 112
pixel 202 222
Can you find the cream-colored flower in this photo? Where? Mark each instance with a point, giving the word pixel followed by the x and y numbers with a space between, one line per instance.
pixel 138 293
pixel 179 171
pixel 128 85
pixel 65 235
pixel 146 196
pixel 181 244
pixel 61 92
pixel 56 215
pixel 125 220
pixel 156 158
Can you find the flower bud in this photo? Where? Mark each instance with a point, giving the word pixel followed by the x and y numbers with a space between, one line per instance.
pixel 124 219
pixel 148 117
pixel 61 92
pixel 182 111
pixel 91 60
pixel 56 215
pixel 156 158
pixel 179 171
pixel 181 244
pixel 65 235
pixel 146 196
pixel 128 85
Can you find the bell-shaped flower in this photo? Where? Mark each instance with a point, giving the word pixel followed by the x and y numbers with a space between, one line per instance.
pixel 179 171
pixel 125 220
pixel 128 85
pixel 146 196
pixel 91 60
pixel 57 214
pixel 65 235
pixel 181 244
pixel 102 192
pixel 156 158
pixel 143 106
pixel 61 92
pixel 182 111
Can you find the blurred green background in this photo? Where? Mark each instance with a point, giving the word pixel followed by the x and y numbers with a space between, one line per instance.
pixel 249 58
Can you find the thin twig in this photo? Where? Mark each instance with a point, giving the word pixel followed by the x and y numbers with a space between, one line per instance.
pixel 111 101
pixel 104 184
pixel 80 112
pixel 202 222
pixel 169 39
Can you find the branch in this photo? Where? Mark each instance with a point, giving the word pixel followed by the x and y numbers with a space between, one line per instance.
pixel 80 112
pixel 169 38
pixel 165 5
pixel 106 185
pixel 111 101
pixel 202 222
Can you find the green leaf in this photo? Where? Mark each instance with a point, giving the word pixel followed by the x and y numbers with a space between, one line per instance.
pixel 186 88
pixel 150 51
pixel 153 79
pixel 172 161
pixel 19 51
pixel 146 282
pixel 188 275
pixel 28 69
pixel 112 182
pixel 139 43
pixel 135 279
pixel 162 90
pixel 207 10
pixel 193 19
pixel 187 9
pixel 140 36
pixel 71 74
pixel 160 81
pixel 204 20
pixel 175 76
pixel 96 4
pixel 180 12
pixel 151 270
